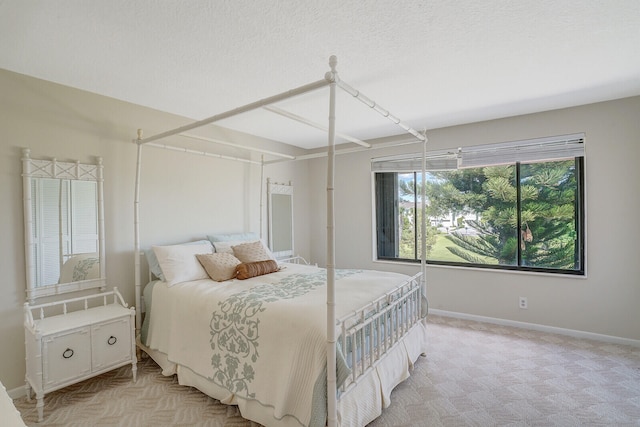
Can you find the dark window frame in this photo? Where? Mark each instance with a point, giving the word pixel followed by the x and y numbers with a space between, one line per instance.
pixel 580 247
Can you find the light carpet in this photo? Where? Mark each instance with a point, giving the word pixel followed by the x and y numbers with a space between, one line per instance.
pixel 475 374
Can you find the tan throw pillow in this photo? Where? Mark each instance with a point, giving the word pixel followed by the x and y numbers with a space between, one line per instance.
pixel 253 269
pixel 219 266
pixel 251 252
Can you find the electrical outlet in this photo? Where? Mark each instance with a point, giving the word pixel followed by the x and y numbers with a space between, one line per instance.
pixel 523 303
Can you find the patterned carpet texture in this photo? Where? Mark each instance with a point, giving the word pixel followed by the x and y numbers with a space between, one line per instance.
pixel 475 374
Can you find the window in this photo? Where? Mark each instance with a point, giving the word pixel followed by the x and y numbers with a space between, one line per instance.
pixel 514 206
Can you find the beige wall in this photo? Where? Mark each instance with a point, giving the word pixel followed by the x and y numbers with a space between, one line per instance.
pixel 183 196
pixel 605 302
pixel 216 195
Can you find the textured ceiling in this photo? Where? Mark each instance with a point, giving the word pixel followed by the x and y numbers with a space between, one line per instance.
pixel 431 63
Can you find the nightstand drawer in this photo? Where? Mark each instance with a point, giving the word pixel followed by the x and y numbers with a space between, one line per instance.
pixel 111 343
pixel 66 356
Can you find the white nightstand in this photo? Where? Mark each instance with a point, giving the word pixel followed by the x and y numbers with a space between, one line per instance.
pixel 67 348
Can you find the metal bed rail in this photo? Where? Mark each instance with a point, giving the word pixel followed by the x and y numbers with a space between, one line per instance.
pixel 371 332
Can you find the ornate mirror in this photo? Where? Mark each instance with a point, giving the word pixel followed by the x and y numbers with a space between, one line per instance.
pixel 64 226
pixel 280 207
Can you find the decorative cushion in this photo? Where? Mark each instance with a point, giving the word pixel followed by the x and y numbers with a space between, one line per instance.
pixel 179 263
pixel 224 242
pixel 253 269
pixel 251 252
pixel 219 266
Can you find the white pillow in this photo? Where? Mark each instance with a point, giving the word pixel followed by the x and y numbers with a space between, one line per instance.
pixel 225 247
pixel 152 260
pixel 179 263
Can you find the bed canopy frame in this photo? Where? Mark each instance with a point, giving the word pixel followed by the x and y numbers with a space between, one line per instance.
pixel 332 80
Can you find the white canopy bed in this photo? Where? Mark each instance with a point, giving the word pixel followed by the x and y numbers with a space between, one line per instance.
pixel 369 344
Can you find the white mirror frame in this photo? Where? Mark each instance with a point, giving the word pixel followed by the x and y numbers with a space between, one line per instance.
pixel 275 223
pixel 35 168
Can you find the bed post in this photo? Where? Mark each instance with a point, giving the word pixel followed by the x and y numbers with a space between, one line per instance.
pixel 136 232
pixel 100 176
pixel 332 410
pixel 423 243
pixel 261 195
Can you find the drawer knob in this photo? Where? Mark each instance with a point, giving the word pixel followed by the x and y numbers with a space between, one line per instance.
pixel 68 353
pixel 112 340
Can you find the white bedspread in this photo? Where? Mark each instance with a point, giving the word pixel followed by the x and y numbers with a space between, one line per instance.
pixel 263 339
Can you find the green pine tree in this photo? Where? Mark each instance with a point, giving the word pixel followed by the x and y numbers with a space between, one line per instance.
pixel 547 198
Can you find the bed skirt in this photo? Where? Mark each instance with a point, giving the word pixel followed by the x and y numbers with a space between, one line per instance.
pixel 358 407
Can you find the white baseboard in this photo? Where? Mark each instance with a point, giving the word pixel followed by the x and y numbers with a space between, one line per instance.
pixel 18 392
pixel 536 327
